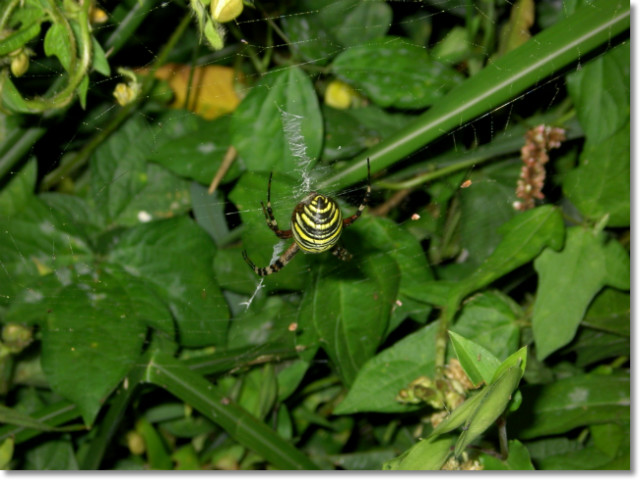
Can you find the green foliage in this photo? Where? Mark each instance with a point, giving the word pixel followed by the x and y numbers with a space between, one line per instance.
pixel 462 334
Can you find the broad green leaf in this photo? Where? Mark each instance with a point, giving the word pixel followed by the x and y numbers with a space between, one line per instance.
pixel 611 438
pixel 478 363
pixel 610 311
pixel 310 38
pixel 428 454
pixel 16 193
pixel 353 130
pixel 384 235
pixel 36 242
pixel 485 206
pixel 196 153
pixel 208 211
pixel 489 320
pixel 523 238
pixel 601 92
pixel 568 281
pixel 518 459
pixel 348 306
pixel 284 108
pixel 601 184
pixel 176 257
pixel 118 168
pixel 92 337
pixel 591 346
pixel 382 377
pixel 353 22
pixel 125 189
pixel 395 73
pixel 571 402
pixel 54 454
pixel 258 326
pixel 258 391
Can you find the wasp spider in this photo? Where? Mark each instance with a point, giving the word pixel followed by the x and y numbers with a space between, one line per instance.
pixel 316 225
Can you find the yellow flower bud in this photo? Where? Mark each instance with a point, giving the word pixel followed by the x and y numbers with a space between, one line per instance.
pixel 19 63
pixel 339 95
pixel 225 10
pixel 125 93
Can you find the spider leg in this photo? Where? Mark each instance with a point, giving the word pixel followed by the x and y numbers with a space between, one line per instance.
pixel 268 215
pixel 275 266
pixel 342 253
pixel 349 220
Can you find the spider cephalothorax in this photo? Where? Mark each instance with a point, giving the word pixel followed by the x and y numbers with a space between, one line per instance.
pixel 316 225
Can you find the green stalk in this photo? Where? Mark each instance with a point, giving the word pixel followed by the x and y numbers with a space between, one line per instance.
pixel 128 25
pixel 53 415
pixel 176 378
pixel 543 55
pixel 19 145
pixel 81 158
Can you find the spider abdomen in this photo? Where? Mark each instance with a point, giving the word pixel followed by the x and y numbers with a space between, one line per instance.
pixel 316 223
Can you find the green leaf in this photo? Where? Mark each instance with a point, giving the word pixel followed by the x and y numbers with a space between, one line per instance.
pixel 195 390
pixel 382 377
pixel 37 242
pixel 6 453
pixel 58 43
pixel 518 459
pixel 524 237
pixel 489 320
pixel 350 131
pixel 125 189
pixel 485 207
pixel 348 307
pixel 384 235
pixel 99 61
pixel 478 363
pixel 55 454
pixel 92 337
pixel 176 257
pixel 610 311
pixel 284 108
pixel 258 391
pixel 572 402
pixel 601 184
pixel 428 454
pixel 394 73
pixel 14 196
pixel 568 281
pixel 157 453
pixel 352 22
pixel 197 151
pixel 592 346
pixel 490 408
pixel 601 92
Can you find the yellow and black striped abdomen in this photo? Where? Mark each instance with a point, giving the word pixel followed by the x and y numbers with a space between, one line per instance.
pixel 316 223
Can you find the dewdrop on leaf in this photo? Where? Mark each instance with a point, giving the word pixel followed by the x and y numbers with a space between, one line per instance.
pixel 225 10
